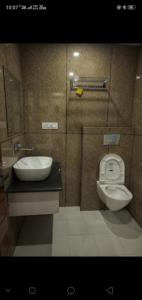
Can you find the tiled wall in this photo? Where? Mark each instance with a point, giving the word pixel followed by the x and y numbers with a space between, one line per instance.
pixel 91 108
pixel 45 69
pixel 136 172
pixel 10 58
pixel 123 71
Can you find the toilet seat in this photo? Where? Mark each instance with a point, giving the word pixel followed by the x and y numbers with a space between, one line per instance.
pixel 110 187
pixel 112 169
pixel 115 197
pixel 117 192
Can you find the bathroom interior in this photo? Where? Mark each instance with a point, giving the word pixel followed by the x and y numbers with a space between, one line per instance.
pixel 70 149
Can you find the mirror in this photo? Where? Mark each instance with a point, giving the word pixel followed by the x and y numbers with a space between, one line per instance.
pixel 14 103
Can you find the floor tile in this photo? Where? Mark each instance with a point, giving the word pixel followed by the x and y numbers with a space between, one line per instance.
pixel 83 246
pixel 72 232
pixel 107 244
pixel 93 216
pixel 60 228
pixel 36 250
pixel 77 227
pixel 61 247
pixel 131 246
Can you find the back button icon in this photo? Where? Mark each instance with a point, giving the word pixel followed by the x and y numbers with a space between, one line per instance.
pixel 110 290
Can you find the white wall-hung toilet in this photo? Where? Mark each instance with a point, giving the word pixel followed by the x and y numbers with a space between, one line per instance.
pixel 110 187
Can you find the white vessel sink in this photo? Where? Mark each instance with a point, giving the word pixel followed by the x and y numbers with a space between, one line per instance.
pixel 34 168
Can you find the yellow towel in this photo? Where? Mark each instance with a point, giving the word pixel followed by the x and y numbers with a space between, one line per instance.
pixel 79 92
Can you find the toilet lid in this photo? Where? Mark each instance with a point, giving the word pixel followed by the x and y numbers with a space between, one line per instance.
pixel 112 169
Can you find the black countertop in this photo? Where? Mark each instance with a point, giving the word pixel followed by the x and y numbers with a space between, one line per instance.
pixel 52 183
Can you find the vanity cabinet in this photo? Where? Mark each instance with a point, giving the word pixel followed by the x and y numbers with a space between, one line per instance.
pixel 33 203
pixel 35 197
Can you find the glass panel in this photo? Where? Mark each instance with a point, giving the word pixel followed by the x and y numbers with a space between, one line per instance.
pixel 14 103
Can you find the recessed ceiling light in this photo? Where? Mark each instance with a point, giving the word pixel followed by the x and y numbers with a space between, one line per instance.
pixel 76 54
pixel 71 74
pixel 138 77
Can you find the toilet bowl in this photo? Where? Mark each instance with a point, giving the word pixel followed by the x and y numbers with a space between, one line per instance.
pixel 110 187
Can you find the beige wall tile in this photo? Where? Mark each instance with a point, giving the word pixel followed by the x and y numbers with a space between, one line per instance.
pixel 44 108
pixel 136 180
pixel 93 151
pixel 94 60
pixel 86 114
pixel 73 169
pixel 123 72
pixel 137 117
pixel 135 206
pixel 118 64
pixel 2 54
pixel 13 59
pixel 44 77
pixel 104 130
pixel 3 123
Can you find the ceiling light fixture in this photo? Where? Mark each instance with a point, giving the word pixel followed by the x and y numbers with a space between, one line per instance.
pixel 76 54
pixel 71 74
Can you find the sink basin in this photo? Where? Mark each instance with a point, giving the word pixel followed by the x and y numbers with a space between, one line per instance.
pixel 34 168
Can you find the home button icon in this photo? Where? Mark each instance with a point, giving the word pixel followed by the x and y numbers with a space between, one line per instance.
pixel 71 290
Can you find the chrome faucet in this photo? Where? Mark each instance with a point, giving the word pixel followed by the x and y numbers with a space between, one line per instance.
pixel 18 147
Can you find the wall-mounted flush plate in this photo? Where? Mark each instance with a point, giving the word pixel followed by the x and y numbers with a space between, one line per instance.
pixel 49 125
pixel 111 139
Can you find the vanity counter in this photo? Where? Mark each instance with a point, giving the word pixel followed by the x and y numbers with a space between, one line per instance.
pixel 52 183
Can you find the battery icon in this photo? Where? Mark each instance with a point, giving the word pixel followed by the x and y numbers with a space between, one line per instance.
pixel 131 7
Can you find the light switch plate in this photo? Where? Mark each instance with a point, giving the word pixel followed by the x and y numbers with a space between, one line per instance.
pixel 111 139
pixel 49 125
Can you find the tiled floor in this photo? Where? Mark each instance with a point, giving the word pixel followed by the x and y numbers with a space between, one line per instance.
pixel 72 232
